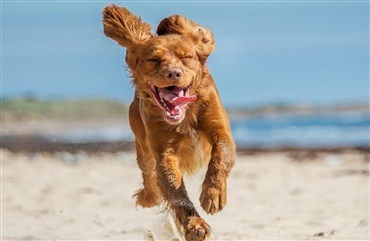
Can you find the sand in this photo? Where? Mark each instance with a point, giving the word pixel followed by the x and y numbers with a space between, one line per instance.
pixel 271 196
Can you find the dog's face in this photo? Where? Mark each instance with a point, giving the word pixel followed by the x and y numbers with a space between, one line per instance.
pixel 169 71
pixel 167 67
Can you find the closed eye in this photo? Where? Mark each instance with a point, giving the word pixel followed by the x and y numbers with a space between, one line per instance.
pixel 187 56
pixel 154 60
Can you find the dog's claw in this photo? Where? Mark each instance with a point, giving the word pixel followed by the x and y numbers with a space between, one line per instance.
pixel 209 207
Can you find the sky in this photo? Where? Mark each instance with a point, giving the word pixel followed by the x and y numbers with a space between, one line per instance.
pixel 267 52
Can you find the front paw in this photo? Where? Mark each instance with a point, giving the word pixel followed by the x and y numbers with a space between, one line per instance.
pixel 197 229
pixel 213 198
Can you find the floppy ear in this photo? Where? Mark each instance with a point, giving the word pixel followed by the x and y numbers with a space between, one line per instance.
pixel 201 37
pixel 124 27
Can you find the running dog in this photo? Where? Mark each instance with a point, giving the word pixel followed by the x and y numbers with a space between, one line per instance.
pixel 177 116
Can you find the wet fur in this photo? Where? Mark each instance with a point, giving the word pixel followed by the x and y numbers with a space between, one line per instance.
pixel 167 151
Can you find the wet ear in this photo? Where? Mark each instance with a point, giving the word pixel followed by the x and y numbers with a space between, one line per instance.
pixel 124 27
pixel 202 38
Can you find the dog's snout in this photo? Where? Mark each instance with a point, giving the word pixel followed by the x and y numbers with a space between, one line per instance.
pixel 173 74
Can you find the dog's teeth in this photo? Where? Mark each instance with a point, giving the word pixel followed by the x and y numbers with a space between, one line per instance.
pixel 161 98
pixel 182 93
pixel 168 113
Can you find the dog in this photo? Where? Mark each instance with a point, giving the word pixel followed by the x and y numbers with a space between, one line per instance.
pixel 176 115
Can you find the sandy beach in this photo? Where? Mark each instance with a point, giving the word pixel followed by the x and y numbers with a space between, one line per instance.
pixel 271 196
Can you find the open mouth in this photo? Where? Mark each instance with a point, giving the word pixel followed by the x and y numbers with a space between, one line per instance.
pixel 173 101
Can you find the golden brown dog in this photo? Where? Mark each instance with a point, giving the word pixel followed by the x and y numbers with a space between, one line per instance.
pixel 176 115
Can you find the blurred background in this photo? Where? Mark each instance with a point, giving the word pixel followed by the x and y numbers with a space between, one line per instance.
pixel 291 73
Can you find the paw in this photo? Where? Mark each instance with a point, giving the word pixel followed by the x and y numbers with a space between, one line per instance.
pixel 213 199
pixel 197 229
pixel 146 199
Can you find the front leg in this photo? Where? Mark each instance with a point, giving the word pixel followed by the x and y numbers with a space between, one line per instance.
pixel 175 196
pixel 172 187
pixel 216 124
pixel 213 195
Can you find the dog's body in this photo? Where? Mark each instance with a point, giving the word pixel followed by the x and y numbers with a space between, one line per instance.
pixel 176 115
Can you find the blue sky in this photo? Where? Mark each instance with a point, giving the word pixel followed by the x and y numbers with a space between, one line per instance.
pixel 267 51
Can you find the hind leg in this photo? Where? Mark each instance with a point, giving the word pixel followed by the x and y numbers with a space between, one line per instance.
pixel 149 195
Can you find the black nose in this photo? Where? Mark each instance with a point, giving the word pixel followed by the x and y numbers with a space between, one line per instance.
pixel 173 74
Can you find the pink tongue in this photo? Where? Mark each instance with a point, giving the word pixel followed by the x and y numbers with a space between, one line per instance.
pixel 184 100
pixel 176 96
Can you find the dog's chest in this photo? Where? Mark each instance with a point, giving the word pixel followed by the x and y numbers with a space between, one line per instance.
pixel 194 151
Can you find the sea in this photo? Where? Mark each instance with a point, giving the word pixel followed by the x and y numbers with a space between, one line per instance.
pixel 314 130
pixel 332 129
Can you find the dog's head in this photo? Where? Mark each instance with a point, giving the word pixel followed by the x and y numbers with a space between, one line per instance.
pixel 166 67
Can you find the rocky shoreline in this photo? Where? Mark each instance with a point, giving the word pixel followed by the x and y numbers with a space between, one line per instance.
pixel 37 143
